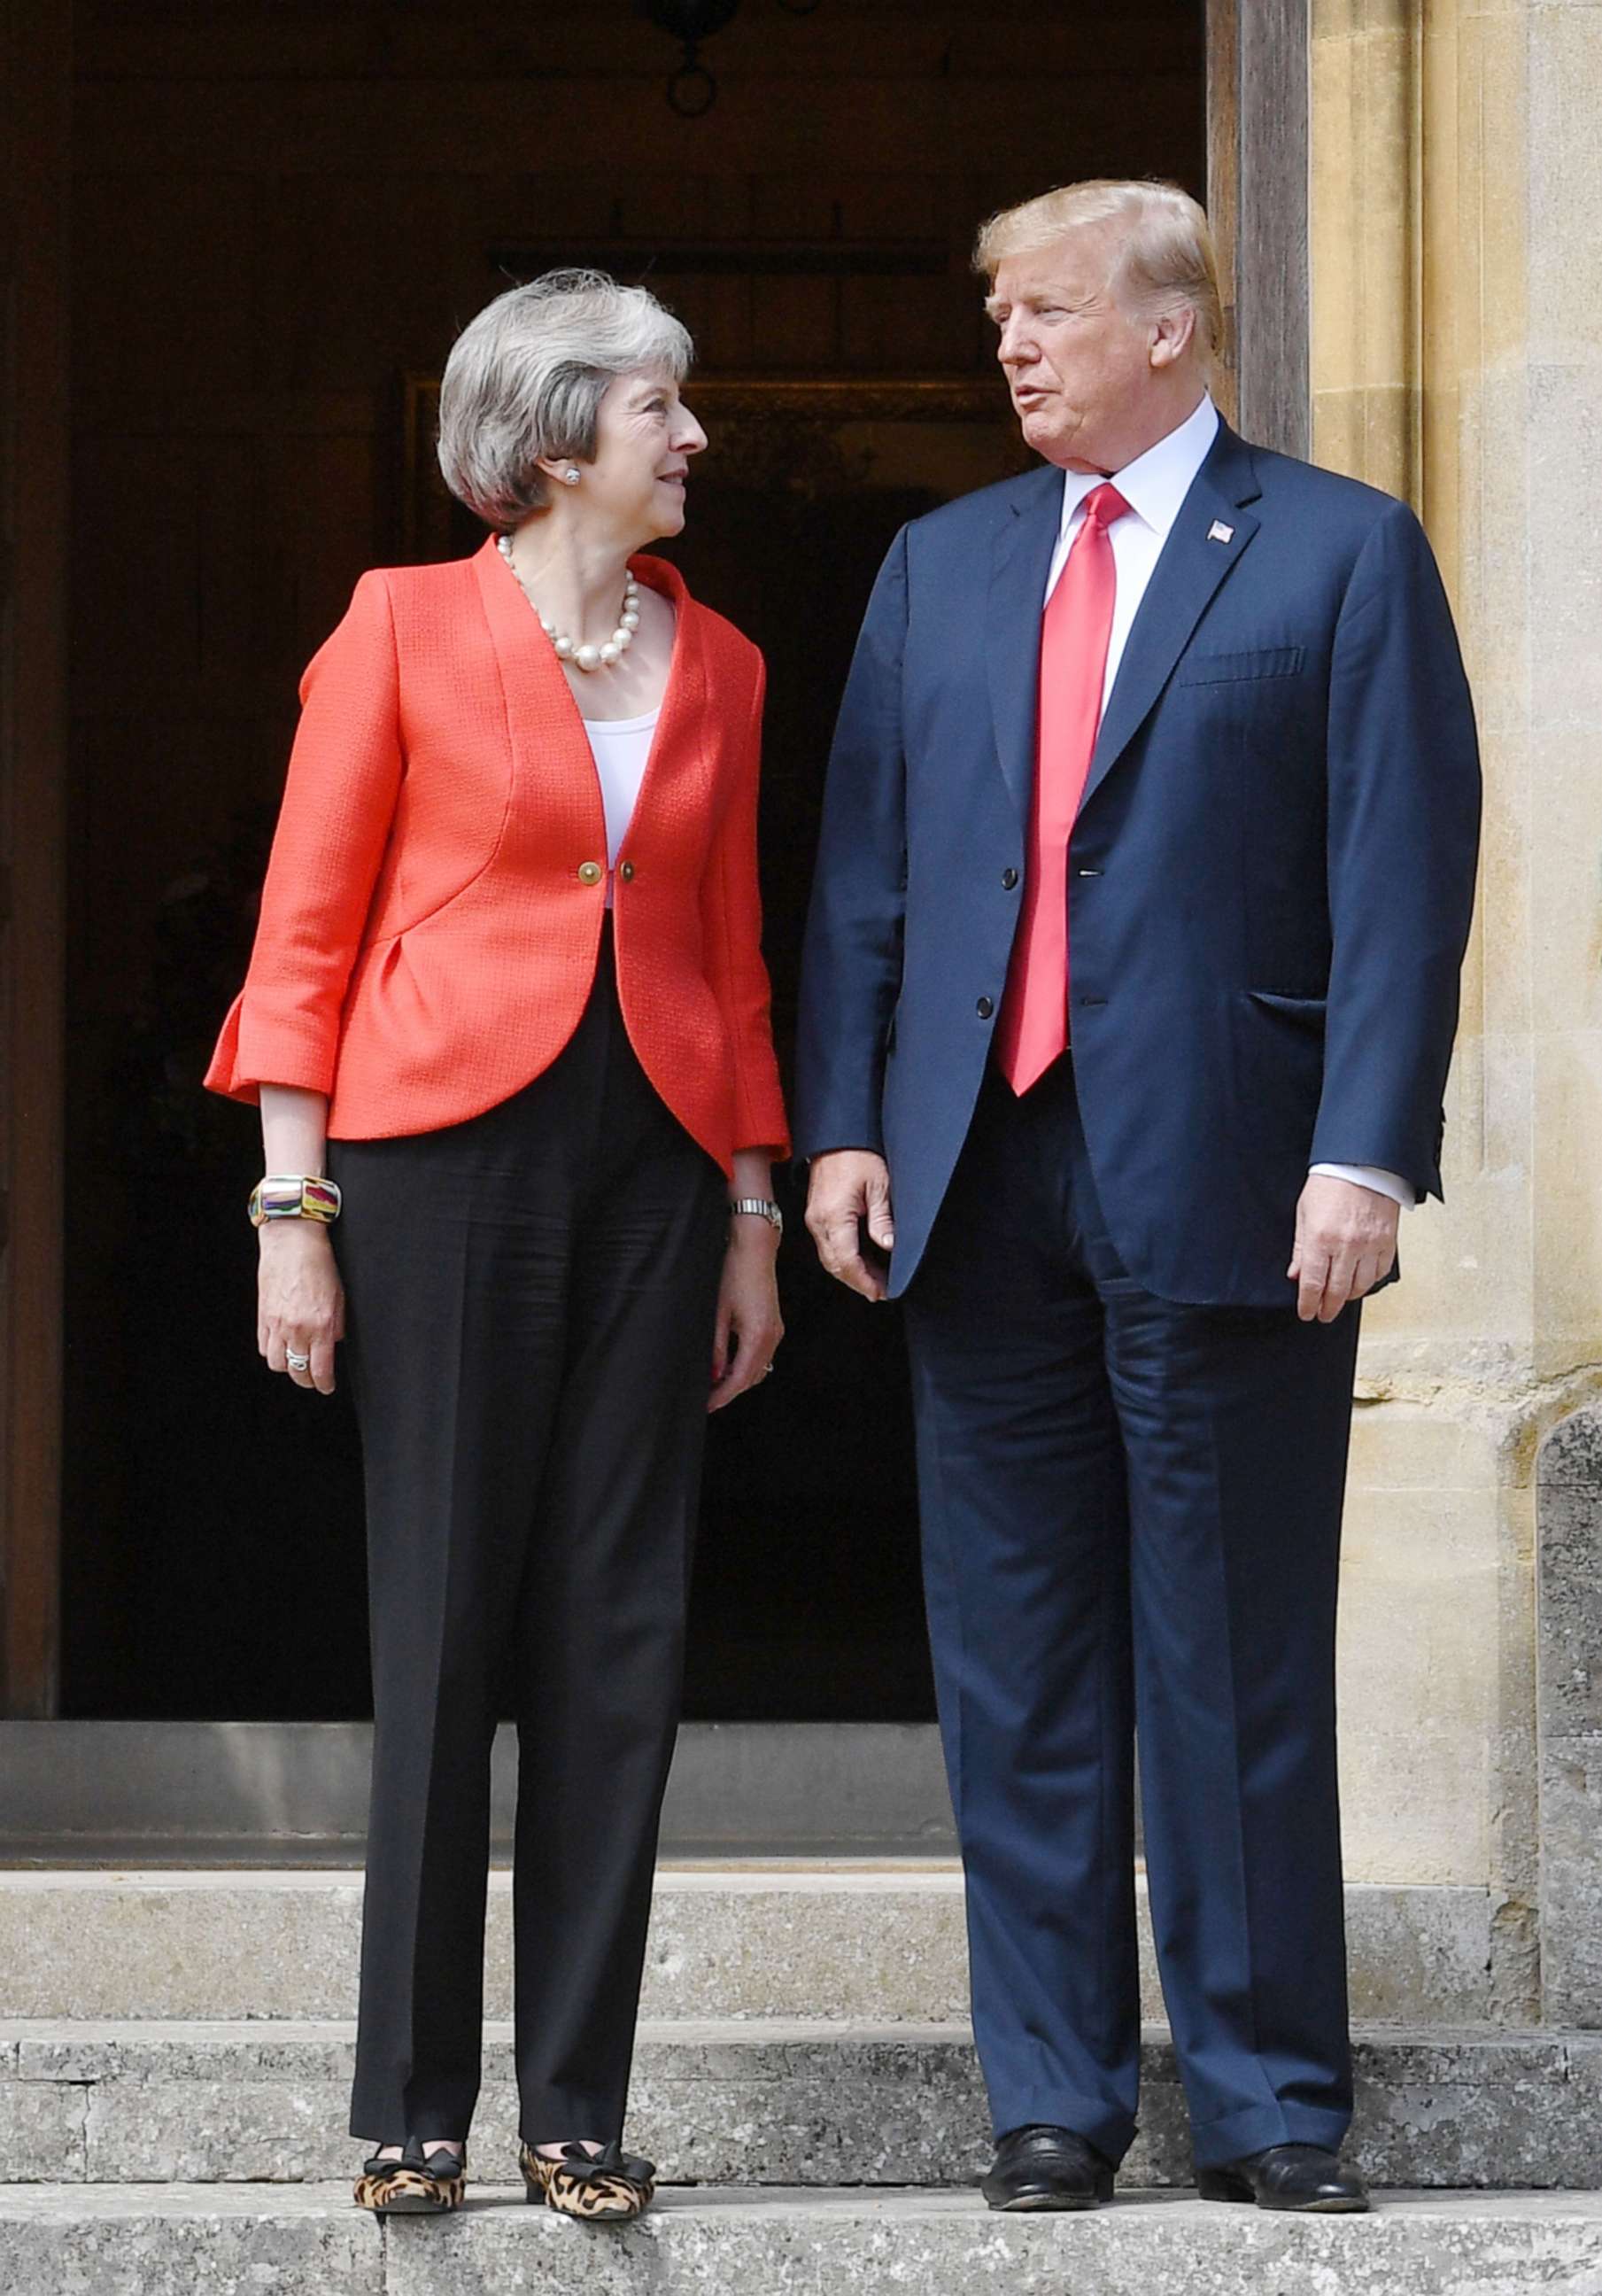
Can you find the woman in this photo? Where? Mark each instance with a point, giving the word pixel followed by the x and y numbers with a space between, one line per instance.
pixel 508 997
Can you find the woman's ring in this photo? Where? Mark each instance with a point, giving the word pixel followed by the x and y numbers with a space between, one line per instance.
pixel 295 1362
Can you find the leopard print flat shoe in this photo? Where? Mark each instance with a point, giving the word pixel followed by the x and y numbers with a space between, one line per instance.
pixel 604 2188
pixel 415 2185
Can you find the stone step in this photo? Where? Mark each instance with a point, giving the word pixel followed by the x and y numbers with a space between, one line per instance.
pixel 240 2240
pixel 754 2103
pixel 794 1937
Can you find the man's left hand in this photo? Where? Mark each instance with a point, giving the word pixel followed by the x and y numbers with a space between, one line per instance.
pixel 1345 1243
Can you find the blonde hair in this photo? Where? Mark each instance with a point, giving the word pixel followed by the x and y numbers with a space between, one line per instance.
pixel 1163 261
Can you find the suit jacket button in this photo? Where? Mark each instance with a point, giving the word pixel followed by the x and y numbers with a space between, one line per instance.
pixel 590 873
pixel 1008 880
pixel 627 872
pixel 984 1008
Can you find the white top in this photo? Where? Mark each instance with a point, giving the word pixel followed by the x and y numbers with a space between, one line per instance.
pixel 620 746
pixel 1154 486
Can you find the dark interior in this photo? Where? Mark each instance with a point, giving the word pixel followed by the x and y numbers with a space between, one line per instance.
pixel 282 213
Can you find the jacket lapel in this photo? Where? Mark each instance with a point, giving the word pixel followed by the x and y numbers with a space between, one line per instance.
pixel 550 751
pixel 1206 540
pixel 1020 560
pixel 549 747
pixel 677 746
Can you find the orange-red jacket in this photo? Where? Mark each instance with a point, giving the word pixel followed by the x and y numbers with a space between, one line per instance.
pixel 430 929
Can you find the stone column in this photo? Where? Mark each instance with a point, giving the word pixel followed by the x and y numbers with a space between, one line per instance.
pixel 1455 276
pixel 1569 1672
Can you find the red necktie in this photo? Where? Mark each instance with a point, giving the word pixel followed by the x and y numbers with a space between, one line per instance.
pixel 1034 1027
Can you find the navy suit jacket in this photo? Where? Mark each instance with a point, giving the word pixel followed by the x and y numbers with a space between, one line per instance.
pixel 1271 878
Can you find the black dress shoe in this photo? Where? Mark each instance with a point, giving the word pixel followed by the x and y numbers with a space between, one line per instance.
pixel 1044 2168
pixel 1302 2176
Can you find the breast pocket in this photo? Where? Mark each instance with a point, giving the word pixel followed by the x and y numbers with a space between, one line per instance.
pixel 1254 663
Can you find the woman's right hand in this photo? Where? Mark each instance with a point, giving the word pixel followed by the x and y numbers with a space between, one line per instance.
pixel 300 1301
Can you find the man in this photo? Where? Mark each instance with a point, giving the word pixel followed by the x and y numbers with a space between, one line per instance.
pixel 1147 1106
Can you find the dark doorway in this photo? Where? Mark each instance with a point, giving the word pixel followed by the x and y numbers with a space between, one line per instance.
pixel 282 213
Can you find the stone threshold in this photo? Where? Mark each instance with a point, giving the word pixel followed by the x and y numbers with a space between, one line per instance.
pixel 234 1793
pixel 753 2103
pixel 131 2241
pixel 869 1938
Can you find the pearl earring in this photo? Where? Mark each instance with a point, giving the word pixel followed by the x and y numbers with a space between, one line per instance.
pixel 571 477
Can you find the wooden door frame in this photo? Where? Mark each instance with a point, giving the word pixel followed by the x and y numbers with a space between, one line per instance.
pixel 35 79
pixel 1259 108
pixel 1257 140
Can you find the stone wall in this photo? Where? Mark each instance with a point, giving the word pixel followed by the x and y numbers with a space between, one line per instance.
pixel 1456 274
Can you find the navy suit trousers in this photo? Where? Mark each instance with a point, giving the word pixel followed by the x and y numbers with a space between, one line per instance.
pixel 1132 1522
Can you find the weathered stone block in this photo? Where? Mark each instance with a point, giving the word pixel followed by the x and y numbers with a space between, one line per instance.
pixel 825 2245
pixel 288 2131
pixel 777 2104
pixel 1420 1955
pixel 1570 1522
pixel 1420 1688
pixel 820 1944
pixel 1570 1458
pixel 220 2241
pixel 206 2241
pixel 278 1944
pixel 1569 1702
pixel 42 2131
pixel 1571 1884
pixel 876 1944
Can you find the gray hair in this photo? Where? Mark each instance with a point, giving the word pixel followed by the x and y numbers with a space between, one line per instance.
pixel 527 377
pixel 1163 261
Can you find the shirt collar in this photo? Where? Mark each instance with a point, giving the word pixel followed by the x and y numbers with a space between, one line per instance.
pixel 1157 482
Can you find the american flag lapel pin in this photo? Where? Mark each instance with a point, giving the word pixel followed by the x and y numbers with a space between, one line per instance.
pixel 1219 532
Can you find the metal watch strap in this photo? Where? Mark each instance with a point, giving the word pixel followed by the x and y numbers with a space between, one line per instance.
pixel 759 1207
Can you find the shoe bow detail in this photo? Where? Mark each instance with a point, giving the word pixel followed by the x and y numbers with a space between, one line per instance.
pixel 592 2167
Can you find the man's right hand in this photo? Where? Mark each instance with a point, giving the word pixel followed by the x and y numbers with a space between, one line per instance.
pixel 849 1190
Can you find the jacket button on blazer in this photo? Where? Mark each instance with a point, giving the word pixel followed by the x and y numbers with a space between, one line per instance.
pixel 984 1008
pixel 627 872
pixel 590 873
pixel 1008 880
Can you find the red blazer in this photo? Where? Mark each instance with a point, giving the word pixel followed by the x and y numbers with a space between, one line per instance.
pixel 427 942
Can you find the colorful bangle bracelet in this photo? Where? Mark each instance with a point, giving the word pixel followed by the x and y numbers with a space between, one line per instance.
pixel 294 1196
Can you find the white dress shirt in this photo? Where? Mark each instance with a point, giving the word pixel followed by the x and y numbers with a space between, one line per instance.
pixel 621 748
pixel 1154 486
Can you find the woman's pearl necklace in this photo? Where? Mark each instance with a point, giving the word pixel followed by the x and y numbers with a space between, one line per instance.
pixel 584 657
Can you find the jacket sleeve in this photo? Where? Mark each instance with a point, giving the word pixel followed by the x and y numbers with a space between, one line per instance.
pixel 339 799
pixel 1404 839
pixel 852 962
pixel 731 929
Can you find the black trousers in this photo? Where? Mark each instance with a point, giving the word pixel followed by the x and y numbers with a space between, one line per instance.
pixel 1131 1516
pixel 530 1300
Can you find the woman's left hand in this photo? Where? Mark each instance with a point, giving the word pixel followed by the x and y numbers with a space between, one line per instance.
pixel 748 1311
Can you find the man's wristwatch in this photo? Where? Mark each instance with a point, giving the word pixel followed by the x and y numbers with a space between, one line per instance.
pixel 759 1207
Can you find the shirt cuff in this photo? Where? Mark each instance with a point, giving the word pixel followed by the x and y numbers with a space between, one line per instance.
pixel 1370 1176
